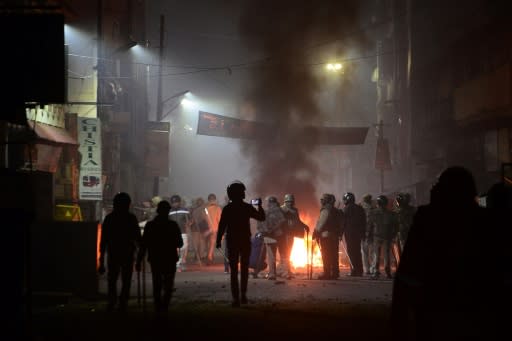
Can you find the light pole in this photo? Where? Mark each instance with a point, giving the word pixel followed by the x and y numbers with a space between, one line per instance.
pixel 335 69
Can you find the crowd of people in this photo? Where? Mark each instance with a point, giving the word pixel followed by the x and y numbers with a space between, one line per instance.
pixel 433 246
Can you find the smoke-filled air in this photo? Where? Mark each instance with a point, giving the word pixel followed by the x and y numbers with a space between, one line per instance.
pixel 283 90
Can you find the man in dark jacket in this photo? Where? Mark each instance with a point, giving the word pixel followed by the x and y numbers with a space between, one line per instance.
pixel 120 236
pixel 354 231
pixel 326 233
pixel 162 239
pixel 234 221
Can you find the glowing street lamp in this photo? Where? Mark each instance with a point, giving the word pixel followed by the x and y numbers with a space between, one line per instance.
pixel 334 67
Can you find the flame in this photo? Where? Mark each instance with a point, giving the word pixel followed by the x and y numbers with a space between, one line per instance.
pixel 300 256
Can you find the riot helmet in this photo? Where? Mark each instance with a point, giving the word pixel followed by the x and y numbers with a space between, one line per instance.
pixel 289 198
pixel 367 198
pixel 382 201
pixel 403 199
pixel 349 198
pixel 156 200
pixel 236 191
pixel 272 201
pixel 328 199
pixel 122 201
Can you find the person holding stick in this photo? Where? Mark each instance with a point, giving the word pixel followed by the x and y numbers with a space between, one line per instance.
pixel 161 239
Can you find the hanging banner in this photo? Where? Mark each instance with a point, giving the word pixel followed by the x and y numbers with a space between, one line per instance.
pixel 382 155
pixel 218 125
pixel 156 146
pixel 89 138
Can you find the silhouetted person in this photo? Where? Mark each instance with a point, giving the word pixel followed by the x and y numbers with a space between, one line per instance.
pixel 162 239
pixel 447 284
pixel 354 230
pixel 120 236
pixel 326 233
pixel 234 221
pixel 499 203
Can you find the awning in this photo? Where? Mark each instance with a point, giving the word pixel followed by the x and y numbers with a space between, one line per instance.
pixel 53 134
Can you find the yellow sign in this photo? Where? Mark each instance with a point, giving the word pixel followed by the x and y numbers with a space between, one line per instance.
pixel 67 213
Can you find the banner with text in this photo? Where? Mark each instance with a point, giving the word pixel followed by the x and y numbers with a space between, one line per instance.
pixel 223 126
pixel 89 138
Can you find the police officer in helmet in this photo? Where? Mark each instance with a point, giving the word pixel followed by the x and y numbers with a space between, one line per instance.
pixel 354 232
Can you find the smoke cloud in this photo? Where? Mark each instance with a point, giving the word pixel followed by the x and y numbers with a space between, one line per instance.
pixel 284 87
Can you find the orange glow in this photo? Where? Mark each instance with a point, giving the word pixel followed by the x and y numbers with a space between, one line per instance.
pixel 300 256
pixel 98 239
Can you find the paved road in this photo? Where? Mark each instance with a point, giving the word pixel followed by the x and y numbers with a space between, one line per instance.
pixel 211 284
pixel 348 308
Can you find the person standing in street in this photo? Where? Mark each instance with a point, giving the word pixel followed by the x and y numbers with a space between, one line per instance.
pixel 161 239
pixel 327 235
pixel 405 213
pixel 212 211
pixel 274 237
pixel 294 226
pixel 182 217
pixel 384 228
pixel 354 229
pixel 366 243
pixel 235 223
pixel 449 282
pixel 120 237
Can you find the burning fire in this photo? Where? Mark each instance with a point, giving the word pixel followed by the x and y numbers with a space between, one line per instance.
pixel 300 256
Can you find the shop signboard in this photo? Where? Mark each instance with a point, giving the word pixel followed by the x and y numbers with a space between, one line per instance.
pixel 89 138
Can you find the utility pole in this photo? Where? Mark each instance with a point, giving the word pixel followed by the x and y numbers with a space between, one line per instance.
pixel 382 156
pixel 159 104
pixel 380 139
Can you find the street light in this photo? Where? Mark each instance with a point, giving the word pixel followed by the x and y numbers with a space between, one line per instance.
pixel 175 96
pixel 334 67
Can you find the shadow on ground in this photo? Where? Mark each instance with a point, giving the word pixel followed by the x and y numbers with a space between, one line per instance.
pixel 206 320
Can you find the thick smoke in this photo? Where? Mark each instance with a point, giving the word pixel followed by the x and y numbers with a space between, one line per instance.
pixel 284 87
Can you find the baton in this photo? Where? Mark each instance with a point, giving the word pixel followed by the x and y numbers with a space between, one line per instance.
pixel 223 254
pixel 348 257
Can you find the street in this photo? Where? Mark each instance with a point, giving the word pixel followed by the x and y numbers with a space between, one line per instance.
pixel 352 308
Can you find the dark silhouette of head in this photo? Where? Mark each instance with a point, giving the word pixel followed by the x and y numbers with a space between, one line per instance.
pixel 163 208
pixel 122 201
pixel 403 199
pixel 327 198
pixel 367 198
pixel 382 201
pixel 349 198
pixel 236 191
pixel 499 196
pixel 455 187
